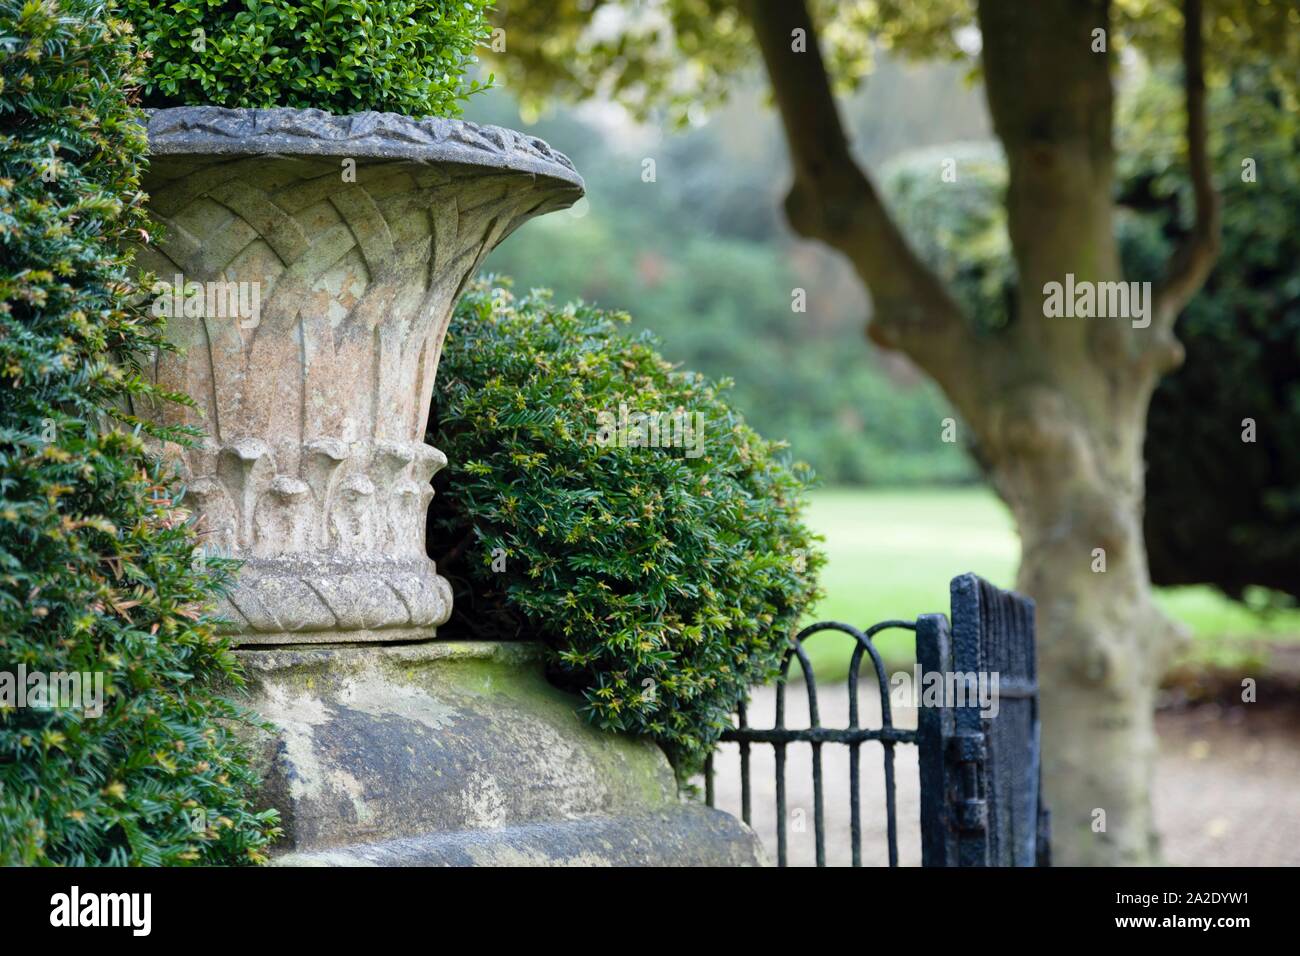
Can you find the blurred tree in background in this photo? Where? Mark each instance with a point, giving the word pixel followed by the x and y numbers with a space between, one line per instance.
pixel 702 256
pixel 1213 516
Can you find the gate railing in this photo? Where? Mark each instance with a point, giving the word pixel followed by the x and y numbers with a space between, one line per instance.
pixel 981 799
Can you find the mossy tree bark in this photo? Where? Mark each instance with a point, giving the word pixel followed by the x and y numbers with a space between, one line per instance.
pixel 1056 406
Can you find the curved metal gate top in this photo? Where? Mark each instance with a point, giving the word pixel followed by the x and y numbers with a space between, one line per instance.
pixel 977 735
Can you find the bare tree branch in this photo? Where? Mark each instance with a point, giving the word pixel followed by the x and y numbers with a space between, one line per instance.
pixel 1192 263
pixel 832 200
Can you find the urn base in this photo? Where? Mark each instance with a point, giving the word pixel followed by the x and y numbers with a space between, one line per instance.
pixel 336 599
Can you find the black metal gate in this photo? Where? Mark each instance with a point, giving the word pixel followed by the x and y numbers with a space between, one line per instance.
pixel 981 802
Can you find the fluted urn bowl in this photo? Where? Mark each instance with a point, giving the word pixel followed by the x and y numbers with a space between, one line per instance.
pixel 327 253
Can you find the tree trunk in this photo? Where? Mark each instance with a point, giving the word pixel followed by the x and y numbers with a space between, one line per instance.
pixel 1071 471
pixel 1061 432
pixel 1057 406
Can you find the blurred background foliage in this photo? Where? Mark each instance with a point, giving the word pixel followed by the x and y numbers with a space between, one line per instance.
pixel 666 60
pixel 701 255
pixel 1219 510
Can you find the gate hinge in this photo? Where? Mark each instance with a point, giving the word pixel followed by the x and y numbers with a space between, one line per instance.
pixel 968 746
pixel 968 751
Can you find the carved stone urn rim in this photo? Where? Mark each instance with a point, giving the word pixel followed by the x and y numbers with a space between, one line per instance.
pixel 288 131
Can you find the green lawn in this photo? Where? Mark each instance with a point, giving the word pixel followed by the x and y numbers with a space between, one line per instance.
pixel 892 553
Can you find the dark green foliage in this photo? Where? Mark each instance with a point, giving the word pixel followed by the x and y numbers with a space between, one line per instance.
pixel 343 56
pixel 1221 510
pixel 664 584
pixel 96 550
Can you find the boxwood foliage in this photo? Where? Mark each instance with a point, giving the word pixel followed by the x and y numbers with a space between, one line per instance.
pixel 664 582
pixel 97 570
pixel 343 56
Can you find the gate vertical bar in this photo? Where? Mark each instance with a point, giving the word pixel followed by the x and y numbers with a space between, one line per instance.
pixel 742 723
pixel 934 728
pixel 779 750
pixel 855 766
pixel 814 723
pixel 966 750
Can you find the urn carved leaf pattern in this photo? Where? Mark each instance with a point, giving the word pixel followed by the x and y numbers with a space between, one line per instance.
pixel 314 471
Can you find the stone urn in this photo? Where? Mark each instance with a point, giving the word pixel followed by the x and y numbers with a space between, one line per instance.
pixel 309 264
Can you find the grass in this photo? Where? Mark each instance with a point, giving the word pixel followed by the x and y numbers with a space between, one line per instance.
pixel 893 552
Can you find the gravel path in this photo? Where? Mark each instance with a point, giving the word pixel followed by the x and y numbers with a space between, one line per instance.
pixel 1225 790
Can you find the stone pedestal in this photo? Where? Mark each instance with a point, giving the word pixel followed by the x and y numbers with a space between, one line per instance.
pixel 459 753
pixel 313 262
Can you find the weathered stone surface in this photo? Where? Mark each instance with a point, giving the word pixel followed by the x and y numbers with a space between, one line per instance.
pixel 461 752
pixel 684 835
pixel 315 472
